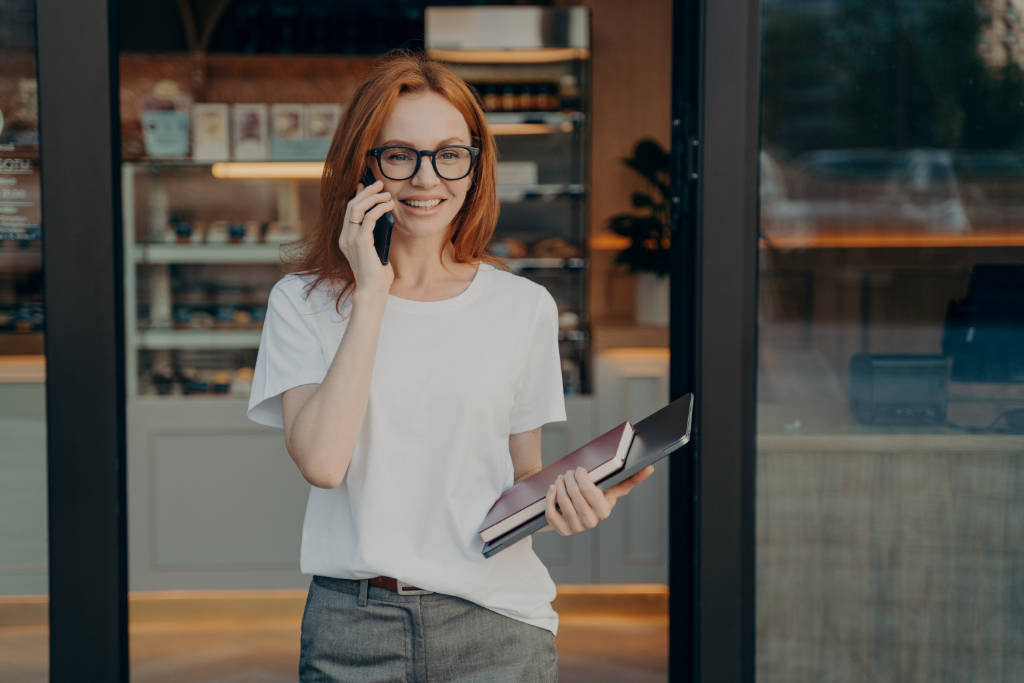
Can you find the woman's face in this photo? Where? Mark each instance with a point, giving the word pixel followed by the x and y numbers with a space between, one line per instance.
pixel 425 121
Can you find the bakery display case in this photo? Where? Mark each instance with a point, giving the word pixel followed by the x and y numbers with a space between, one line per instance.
pixel 201 255
pixel 531 68
pixel 204 238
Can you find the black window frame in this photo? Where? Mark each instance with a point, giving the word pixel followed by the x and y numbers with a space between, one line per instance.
pixel 80 149
pixel 713 336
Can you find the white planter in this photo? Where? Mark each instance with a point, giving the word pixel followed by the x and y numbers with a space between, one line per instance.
pixel 651 294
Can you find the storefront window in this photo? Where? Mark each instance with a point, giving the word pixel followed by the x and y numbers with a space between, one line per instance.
pixel 23 531
pixel 890 413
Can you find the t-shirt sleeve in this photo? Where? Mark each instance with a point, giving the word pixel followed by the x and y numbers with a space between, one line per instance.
pixel 289 354
pixel 539 398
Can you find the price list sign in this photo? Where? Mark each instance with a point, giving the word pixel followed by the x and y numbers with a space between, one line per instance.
pixel 22 319
pixel 19 162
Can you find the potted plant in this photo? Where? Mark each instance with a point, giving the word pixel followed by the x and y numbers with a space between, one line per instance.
pixel 648 232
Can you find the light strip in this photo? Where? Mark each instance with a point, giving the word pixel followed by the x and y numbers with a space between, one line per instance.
pixel 268 169
pixel 529 128
pixel 542 55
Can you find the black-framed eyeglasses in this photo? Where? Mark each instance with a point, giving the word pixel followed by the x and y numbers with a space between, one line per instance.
pixel 399 162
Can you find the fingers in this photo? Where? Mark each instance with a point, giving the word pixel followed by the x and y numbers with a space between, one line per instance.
pixel 368 203
pixel 359 206
pixel 624 487
pixel 588 500
pixel 574 503
pixel 556 520
pixel 371 216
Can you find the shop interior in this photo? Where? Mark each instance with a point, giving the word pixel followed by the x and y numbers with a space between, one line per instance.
pixel 226 112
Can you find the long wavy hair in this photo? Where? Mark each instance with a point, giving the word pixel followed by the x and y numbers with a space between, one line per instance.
pixel 400 71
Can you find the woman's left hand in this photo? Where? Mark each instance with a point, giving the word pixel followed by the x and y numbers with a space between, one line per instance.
pixel 581 504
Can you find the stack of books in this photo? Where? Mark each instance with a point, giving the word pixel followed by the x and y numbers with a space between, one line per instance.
pixel 609 459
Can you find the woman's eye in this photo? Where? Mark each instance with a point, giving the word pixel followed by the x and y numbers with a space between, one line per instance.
pixel 449 155
pixel 398 156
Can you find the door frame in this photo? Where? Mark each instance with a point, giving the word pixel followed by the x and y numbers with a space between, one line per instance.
pixel 80 149
pixel 716 73
pixel 716 61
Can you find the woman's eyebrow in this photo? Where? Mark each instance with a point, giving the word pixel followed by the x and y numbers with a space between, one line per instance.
pixel 405 142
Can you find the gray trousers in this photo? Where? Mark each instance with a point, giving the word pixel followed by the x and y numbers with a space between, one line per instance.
pixel 352 631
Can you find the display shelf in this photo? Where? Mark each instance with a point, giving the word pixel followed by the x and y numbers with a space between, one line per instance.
pixel 553 119
pixel 22 369
pixel 510 56
pixel 163 277
pixel 543 55
pixel 208 253
pixel 518 264
pixel 20 260
pixel 22 343
pixel 518 193
pixel 534 123
pixel 197 339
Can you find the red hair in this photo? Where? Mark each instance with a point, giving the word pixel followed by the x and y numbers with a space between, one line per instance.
pixel 397 73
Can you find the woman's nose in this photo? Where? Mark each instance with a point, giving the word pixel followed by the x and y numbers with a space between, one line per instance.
pixel 425 176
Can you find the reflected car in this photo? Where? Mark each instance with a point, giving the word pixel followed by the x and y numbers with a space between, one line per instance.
pixel 872 189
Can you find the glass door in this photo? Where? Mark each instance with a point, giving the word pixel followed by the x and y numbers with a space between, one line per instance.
pixel 24 638
pixel 890 353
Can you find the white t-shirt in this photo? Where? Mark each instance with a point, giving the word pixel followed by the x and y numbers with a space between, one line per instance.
pixel 452 380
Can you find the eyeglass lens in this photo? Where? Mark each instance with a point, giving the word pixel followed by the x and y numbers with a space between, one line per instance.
pixel 451 163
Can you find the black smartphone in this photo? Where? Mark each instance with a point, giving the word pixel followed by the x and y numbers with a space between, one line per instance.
pixel 382 230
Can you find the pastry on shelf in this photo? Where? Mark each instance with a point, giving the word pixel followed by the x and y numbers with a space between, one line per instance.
pixel 243 319
pixel 192 383
pixel 507 247
pixel 555 247
pixel 162 378
pixel 183 232
pixel 181 318
pixel 221 382
pixel 202 320
pixel 224 318
pixel 568 320
pixel 236 233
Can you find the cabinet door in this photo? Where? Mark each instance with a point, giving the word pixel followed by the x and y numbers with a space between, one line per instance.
pixel 570 559
pixel 633 542
pixel 214 500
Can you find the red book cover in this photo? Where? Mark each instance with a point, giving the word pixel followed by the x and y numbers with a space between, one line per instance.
pixel 525 500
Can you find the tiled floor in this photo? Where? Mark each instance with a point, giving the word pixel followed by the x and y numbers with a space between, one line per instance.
pixel 591 648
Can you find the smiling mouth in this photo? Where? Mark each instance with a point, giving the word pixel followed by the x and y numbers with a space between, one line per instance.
pixel 422 204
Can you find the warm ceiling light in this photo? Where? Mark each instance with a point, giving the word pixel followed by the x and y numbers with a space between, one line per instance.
pixel 529 128
pixel 268 169
pixel 541 55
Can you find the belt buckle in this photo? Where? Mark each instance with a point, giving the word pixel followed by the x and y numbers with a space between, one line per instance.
pixel 405 589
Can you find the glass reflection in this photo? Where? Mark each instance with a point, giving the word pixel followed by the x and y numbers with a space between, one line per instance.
pixel 891 340
pixel 23 534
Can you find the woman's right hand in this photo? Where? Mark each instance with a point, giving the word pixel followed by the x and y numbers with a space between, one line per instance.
pixel 356 238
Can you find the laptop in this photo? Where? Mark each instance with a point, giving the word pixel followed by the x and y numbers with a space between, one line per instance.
pixel 654 437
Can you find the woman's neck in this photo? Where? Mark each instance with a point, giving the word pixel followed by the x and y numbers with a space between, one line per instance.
pixel 423 273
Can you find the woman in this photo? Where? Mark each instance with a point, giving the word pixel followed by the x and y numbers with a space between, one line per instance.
pixel 411 395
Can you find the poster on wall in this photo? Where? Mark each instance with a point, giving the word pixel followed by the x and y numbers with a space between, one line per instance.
pixel 19 162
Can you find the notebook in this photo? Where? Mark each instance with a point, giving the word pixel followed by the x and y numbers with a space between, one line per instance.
pixel 600 457
pixel 656 436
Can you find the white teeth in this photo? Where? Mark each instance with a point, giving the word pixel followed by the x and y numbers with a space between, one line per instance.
pixel 421 204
